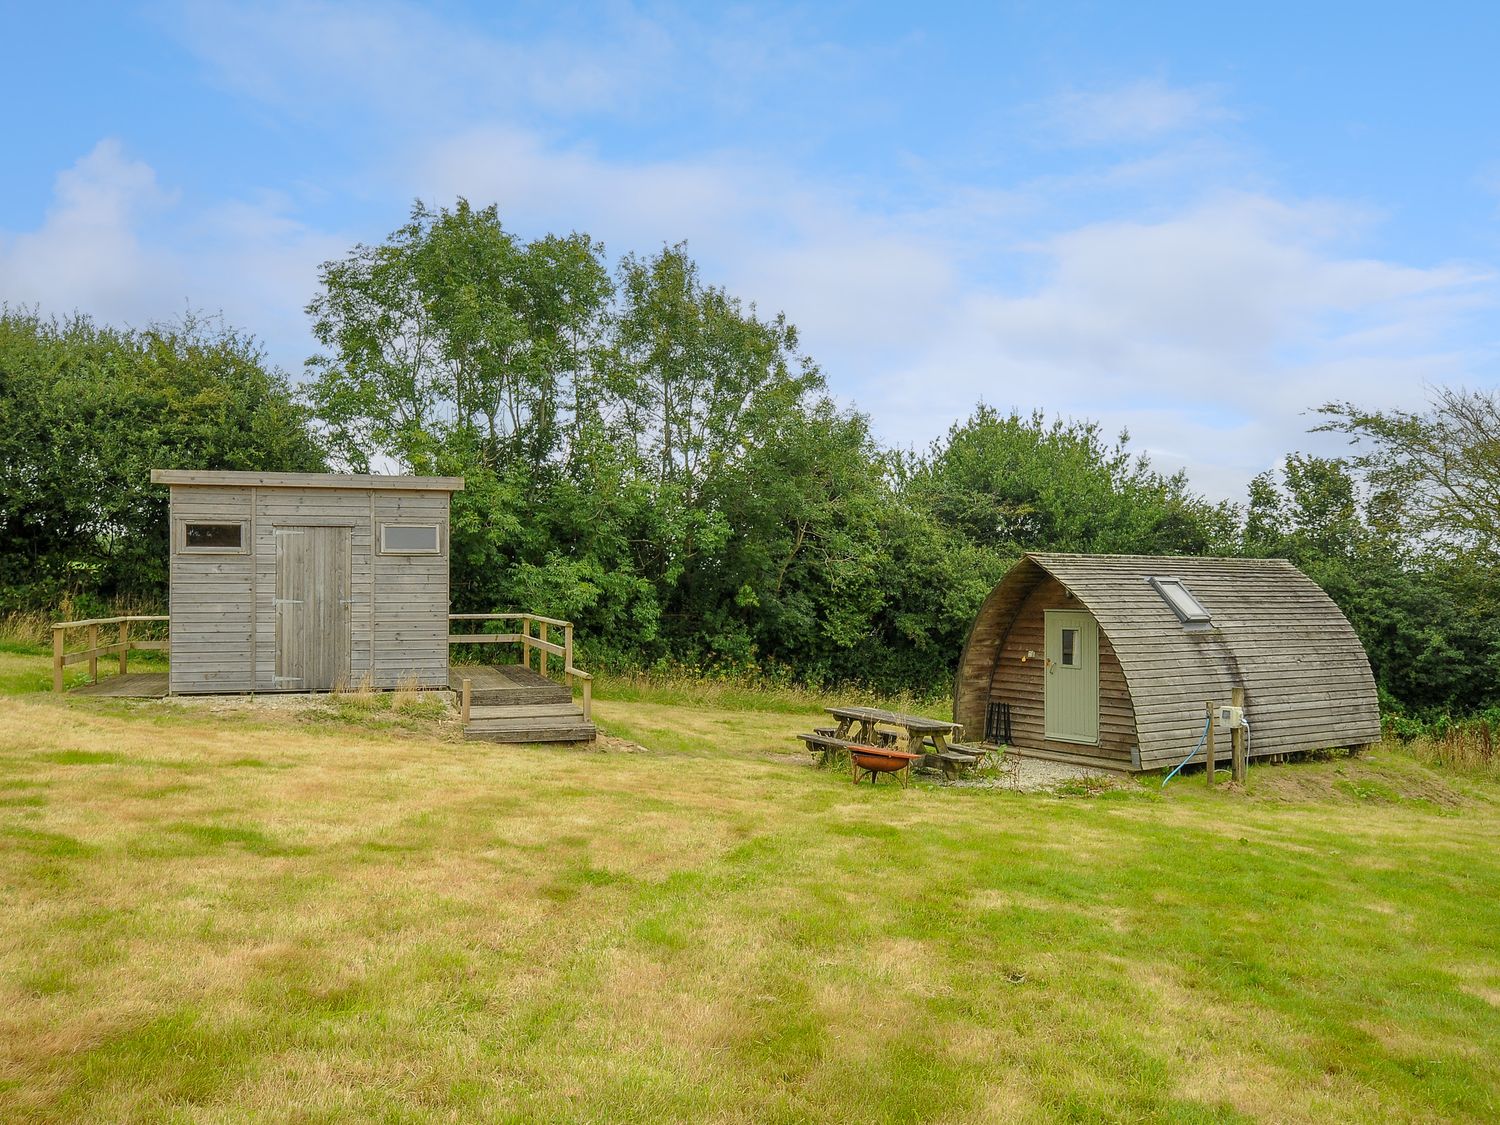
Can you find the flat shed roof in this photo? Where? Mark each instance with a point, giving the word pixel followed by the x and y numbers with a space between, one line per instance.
pixel 307 480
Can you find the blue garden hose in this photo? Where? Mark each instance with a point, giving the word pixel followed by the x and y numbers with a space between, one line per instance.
pixel 1201 739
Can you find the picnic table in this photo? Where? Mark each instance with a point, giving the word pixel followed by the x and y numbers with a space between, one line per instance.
pixel 913 732
pixel 891 730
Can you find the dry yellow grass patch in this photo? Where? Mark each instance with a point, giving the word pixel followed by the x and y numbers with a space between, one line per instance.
pixel 214 916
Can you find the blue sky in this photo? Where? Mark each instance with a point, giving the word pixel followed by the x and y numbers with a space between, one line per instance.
pixel 1189 222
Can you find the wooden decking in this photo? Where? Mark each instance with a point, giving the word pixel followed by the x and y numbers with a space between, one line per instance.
pixel 508 703
pixel 132 685
pixel 512 703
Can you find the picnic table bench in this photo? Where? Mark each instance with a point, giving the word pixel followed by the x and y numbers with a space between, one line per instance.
pixel 915 734
pixel 823 742
pixel 869 757
pixel 915 730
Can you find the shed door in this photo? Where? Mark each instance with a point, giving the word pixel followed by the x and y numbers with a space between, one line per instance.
pixel 312 607
pixel 1072 696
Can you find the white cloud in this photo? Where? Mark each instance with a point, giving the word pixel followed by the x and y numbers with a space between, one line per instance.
pixel 1208 331
pixel 641 203
pixel 401 62
pixel 853 280
pixel 88 241
pixel 1208 334
pixel 116 245
pixel 1137 293
pixel 1142 110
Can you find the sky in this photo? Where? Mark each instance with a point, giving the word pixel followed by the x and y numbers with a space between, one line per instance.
pixel 1193 222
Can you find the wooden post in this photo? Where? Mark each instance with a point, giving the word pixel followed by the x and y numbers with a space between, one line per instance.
pixel 94 653
pixel 124 644
pixel 1210 707
pixel 468 689
pixel 526 642
pixel 588 699
pixel 543 629
pixel 568 652
pixel 57 659
pixel 1237 738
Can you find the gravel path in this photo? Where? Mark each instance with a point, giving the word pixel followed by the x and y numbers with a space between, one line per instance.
pixel 1038 775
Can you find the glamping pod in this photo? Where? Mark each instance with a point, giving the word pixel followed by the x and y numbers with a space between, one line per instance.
pixel 1108 660
pixel 307 581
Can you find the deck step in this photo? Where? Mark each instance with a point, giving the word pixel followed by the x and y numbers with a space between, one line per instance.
pixel 507 685
pixel 492 732
pixel 503 722
pixel 520 697
pixel 509 703
pixel 529 711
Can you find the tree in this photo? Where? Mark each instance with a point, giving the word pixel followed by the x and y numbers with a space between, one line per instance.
pixel 1430 623
pixel 455 334
pixel 795 581
pixel 633 455
pixel 86 412
pixel 1015 484
pixel 701 377
pixel 1442 465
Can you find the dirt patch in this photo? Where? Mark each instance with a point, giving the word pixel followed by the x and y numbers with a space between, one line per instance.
pixel 610 745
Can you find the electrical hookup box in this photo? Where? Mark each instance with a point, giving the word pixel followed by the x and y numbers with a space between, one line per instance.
pixel 1230 717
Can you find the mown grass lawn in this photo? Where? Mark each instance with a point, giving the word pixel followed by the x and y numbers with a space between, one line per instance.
pixel 213 917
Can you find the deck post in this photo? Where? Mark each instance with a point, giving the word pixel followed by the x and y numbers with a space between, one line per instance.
pixel 57 659
pixel 124 644
pixel 544 630
pixel 94 653
pixel 1210 707
pixel 568 653
pixel 1237 738
pixel 468 692
pixel 526 642
pixel 588 700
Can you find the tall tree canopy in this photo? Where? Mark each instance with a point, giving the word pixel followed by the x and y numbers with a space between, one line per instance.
pixel 1429 621
pixel 455 335
pixel 1442 465
pixel 1018 483
pixel 614 429
pixel 661 462
pixel 86 412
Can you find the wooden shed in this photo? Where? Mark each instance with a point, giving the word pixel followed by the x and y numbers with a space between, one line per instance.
pixel 307 581
pixel 1108 660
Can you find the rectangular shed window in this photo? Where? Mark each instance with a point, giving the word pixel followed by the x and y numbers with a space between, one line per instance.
pixel 411 539
pixel 218 537
pixel 1178 598
pixel 1070 648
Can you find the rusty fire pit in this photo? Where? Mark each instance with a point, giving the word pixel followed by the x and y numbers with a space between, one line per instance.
pixel 876 760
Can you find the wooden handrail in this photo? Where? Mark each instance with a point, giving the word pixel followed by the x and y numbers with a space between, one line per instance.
pixel 108 621
pixel 530 642
pixel 123 646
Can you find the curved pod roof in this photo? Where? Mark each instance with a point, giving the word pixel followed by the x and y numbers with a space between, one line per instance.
pixel 1272 631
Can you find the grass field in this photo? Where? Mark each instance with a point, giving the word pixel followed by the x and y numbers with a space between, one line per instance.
pixel 345 913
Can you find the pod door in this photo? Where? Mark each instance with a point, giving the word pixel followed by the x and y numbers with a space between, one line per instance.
pixel 312 607
pixel 1072 677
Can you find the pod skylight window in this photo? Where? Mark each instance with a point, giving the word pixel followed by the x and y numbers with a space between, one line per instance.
pixel 1179 599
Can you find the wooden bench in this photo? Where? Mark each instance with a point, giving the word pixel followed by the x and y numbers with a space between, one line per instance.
pixel 885 739
pixel 827 746
pixel 955 760
pixel 876 758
